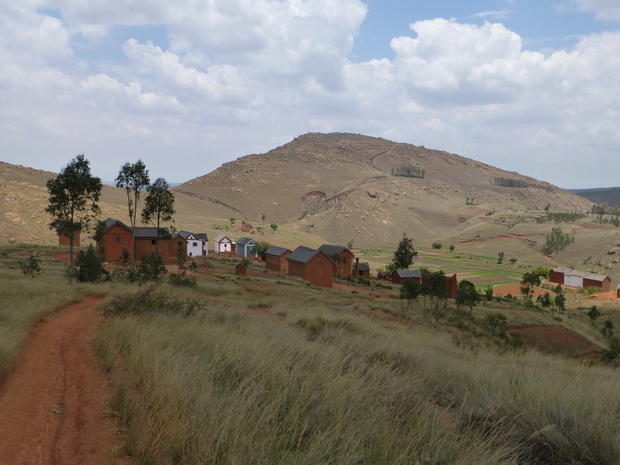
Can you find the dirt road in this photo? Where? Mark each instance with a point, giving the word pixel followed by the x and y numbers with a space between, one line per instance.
pixel 53 405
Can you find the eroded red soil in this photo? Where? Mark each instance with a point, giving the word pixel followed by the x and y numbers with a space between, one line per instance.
pixel 54 404
pixel 555 340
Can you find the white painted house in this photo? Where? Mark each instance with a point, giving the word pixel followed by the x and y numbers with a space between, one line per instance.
pixel 191 245
pixel 223 245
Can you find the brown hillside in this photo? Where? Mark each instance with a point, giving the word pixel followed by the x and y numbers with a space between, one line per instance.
pixel 341 187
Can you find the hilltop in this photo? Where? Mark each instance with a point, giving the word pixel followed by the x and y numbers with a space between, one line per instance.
pixel 341 187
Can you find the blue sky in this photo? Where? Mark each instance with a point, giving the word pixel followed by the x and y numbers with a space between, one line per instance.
pixel 527 86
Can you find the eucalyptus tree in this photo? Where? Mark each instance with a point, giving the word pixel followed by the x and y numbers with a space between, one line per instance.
pixel 73 201
pixel 133 177
pixel 158 205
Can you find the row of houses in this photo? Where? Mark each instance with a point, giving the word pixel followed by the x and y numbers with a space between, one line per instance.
pixel 117 242
pixel 579 279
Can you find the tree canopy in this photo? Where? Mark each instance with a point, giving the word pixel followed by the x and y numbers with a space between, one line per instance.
pixel 405 253
pixel 73 201
pixel 158 205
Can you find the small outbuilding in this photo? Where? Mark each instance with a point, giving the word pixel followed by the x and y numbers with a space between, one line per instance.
pixel 224 245
pixel 241 270
pixel 361 269
pixel 400 276
pixel 246 247
pixel 275 259
pixel 311 265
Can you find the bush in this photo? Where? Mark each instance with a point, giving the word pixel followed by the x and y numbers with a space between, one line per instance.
pixel 182 280
pixel 437 245
pixel 151 267
pixel 89 266
pixel 31 266
pixel 150 301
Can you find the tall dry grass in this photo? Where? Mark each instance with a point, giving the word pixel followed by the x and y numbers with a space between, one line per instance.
pixel 298 375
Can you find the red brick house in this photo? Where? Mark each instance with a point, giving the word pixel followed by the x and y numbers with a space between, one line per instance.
pixel 64 241
pixel 361 269
pixel 400 276
pixel 275 259
pixel 451 283
pixel 240 269
pixel 118 237
pixel 311 265
pixel 341 257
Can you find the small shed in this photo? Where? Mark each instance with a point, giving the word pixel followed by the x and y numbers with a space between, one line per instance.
pixel 275 259
pixel 63 239
pixel 223 245
pixel 311 265
pixel 400 276
pixel 241 270
pixel 341 257
pixel 246 227
pixel 361 269
pixel 246 247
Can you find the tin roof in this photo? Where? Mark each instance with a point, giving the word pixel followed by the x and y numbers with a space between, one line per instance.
pixel 277 251
pixel 303 254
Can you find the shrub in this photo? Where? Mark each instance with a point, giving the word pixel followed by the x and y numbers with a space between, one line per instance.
pixel 182 280
pixel 31 266
pixel 151 267
pixel 437 245
pixel 89 266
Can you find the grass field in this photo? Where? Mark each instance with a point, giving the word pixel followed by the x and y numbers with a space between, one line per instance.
pixel 268 370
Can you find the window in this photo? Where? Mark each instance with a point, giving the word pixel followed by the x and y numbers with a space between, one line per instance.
pixel 117 238
pixel 153 241
pixel 344 260
pixel 319 265
pixel 194 244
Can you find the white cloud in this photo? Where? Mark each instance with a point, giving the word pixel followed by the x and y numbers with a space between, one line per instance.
pixel 604 9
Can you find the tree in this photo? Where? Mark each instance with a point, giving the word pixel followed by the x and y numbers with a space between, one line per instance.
pixel 436 286
pixel 405 253
pixel 261 249
pixel 529 280
pixel 409 290
pixel 556 241
pixel 497 322
pixel 31 266
pixel 274 226
pixel 560 299
pixel 593 314
pixel 133 178
pixel 467 294
pixel 73 201
pixel 158 205
pixel 500 257
pixel 608 329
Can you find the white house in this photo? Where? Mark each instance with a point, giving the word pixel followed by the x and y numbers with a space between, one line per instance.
pixel 223 245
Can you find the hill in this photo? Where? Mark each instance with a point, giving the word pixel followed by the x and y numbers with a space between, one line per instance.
pixel 342 187
pixel 606 195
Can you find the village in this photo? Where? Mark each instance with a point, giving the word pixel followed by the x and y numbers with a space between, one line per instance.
pixel 318 267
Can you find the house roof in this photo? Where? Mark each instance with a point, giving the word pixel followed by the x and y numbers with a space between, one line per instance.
pixel 277 251
pixel 364 266
pixel 243 241
pixel 202 236
pixel 331 250
pixel 408 273
pixel 109 222
pixel 184 234
pixel 581 274
pixel 150 232
pixel 303 254
pixel 221 237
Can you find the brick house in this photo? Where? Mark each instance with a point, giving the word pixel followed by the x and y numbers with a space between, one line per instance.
pixel 400 276
pixel 188 242
pixel 361 269
pixel 118 237
pixel 275 259
pixel 240 269
pixel 64 241
pixel 341 257
pixel 311 265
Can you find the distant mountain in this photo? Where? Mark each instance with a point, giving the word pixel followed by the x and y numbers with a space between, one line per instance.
pixel 604 195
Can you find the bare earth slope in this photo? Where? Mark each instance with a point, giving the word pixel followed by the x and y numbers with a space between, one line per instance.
pixel 341 187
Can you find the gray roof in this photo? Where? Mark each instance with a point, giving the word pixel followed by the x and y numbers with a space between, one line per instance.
pixel 150 232
pixel 409 273
pixel 303 254
pixel 202 236
pixel 109 222
pixel 277 251
pixel 581 274
pixel 364 266
pixel 331 250
pixel 245 241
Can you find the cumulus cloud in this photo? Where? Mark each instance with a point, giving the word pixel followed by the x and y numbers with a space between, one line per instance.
pixel 241 76
pixel 604 9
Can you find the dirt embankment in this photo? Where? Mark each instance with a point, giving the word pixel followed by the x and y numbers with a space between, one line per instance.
pixel 54 403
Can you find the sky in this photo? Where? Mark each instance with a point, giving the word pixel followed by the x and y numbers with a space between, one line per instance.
pixel 531 86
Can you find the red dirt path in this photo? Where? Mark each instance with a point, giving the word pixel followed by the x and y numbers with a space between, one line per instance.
pixel 54 402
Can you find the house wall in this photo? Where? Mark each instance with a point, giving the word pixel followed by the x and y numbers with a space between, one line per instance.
pixel 345 267
pixel 114 240
pixel 146 246
pixel 241 270
pixel 194 247
pixel 317 271
pixel 573 281
pixel 396 279
pixel 556 277
pixel 174 247
pixel 247 250
pixel 277 264
pixel 224 248
pixel 64 240
pixel 604 286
